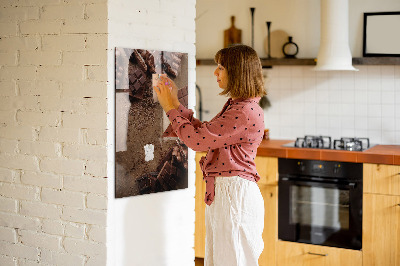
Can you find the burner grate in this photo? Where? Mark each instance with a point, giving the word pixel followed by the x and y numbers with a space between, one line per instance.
pixel 351 144
pixel 324 142
pixel 320 142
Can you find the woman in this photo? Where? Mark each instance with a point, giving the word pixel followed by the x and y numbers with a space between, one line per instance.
pixel 235 207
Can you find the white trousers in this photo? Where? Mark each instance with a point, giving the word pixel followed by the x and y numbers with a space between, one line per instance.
pixel 234 223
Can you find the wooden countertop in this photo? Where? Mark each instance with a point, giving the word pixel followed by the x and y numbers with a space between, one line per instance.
pixel 379 154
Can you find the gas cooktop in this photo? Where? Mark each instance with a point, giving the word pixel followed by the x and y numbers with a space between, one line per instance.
pixel 325 142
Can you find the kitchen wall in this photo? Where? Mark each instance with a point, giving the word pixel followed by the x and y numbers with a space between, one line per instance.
pixel 154 229
pixel 339 104
pixel 53 110
pixel 297 18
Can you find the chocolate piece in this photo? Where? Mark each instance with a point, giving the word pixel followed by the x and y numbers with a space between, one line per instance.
pixel 167 68
pixel 165 170
pixel 149 59
pixel 179 154
pixel 157 60
pixel 168 182
pixel 137 80
pixel 150 63
pixel 184 154
pixel 166 177
pixel 139 59
pixel 183 96
pixel 172 63
pixel 147 183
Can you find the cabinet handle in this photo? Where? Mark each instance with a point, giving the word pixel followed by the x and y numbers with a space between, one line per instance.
pixel 398 204
pixel 318 254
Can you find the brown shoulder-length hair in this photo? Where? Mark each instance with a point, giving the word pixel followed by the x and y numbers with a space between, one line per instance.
pixel 245 78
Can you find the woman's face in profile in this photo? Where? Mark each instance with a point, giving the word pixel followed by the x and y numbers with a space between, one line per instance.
pixel 222 76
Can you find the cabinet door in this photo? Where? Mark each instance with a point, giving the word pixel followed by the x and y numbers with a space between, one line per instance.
pixel 270 233
pixel 200 207
pixel 267 168
pixel 381 179
pixel 381 230
pixel 297 254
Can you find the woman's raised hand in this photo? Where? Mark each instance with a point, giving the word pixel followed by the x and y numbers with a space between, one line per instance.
pixel 173 88
pixel 167 93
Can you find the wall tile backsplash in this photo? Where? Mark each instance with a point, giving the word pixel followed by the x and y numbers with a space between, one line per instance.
pixel 365 103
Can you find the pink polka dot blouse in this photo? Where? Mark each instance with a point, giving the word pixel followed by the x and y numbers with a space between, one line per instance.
pixel 231 139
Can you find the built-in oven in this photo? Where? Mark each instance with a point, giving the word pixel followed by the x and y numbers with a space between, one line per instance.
pixel 320 202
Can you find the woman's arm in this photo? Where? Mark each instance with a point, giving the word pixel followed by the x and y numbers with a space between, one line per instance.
pixel 228 129
pixel 186 113
pixel 225 130
pixel 168 85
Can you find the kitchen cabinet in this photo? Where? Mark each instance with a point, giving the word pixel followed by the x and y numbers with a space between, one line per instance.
pixel 381 230
pixel 200 207
pixel 267 168
pixel 381 215
pixel 291 253
pixel 270 233
pixel 381 179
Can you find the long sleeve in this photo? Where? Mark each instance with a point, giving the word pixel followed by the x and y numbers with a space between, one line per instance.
pixel 186 113
pixel 225 130
pixel 231 138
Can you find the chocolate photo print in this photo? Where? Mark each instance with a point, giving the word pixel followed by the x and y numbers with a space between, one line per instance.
pixel 145 162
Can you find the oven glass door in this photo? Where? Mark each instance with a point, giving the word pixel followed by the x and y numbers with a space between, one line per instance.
pixel 320 213
pixel 318 207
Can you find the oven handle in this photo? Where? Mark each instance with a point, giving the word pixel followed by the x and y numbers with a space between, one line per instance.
pixel 297 181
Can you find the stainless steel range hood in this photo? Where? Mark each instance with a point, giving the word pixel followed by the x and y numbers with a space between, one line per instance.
pixel 334 52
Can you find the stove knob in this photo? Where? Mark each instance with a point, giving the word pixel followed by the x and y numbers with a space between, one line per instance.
pixel 301 166
pixel 336 169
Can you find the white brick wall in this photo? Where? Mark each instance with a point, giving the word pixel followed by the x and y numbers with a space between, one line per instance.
pixel 53 130
pixel 53 107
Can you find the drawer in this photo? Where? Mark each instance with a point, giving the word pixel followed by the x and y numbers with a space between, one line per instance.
pixel 293 254
pixel 381 179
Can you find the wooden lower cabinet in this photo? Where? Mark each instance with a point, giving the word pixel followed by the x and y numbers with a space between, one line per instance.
pixel 270 233
pixel 200 207
pixel 267 168
pixel 298 254
pixel 381 230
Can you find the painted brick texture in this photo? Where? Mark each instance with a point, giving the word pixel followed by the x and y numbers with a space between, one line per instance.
pixel 53 111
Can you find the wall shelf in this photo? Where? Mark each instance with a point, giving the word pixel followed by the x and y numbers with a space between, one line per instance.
pixel 312 61
pixel 376 61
